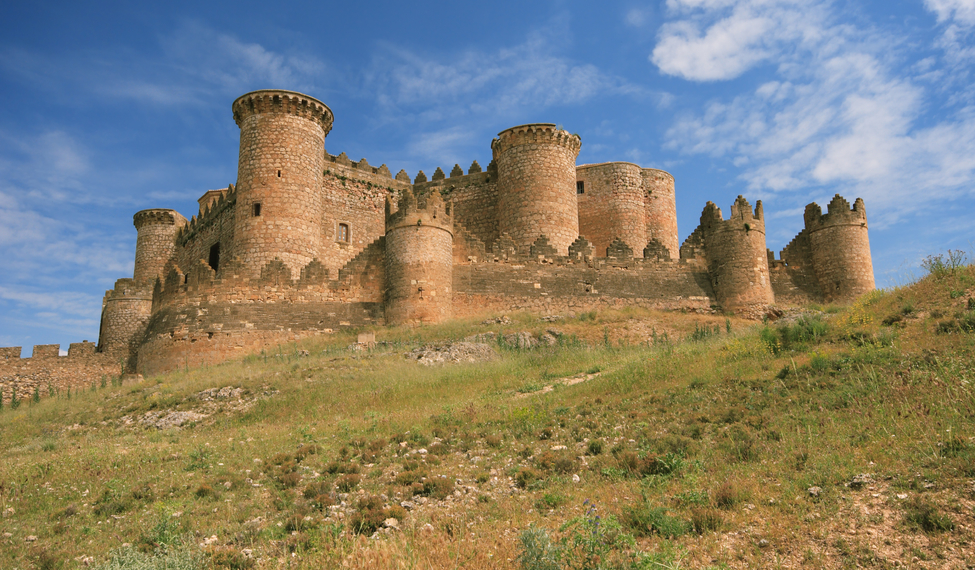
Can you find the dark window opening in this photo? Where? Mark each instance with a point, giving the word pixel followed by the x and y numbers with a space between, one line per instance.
pixel 279 174
pixel 580 187
pixel 215 256
pixel 343 233
pixel 257 209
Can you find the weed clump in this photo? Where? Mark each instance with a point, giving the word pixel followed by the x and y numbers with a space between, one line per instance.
pixel 925 515
pixel 646 520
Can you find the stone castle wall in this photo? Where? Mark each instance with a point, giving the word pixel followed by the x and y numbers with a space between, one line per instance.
pixel 48 373
pixel 125 311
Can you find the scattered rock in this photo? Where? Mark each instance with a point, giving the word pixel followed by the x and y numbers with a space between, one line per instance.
pixel 762 543
pixel 166 420
pixel 552 318
pixel 502 320
pixel 860 481
pixel 225 393
pixel 576 479
pixel 31 538
pixel 521 339
pixel 391 523
pixel 212 539
pixel 487 338
pixel 452 352
pixel 814 491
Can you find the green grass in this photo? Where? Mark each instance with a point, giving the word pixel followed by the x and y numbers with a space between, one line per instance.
pixel 698 454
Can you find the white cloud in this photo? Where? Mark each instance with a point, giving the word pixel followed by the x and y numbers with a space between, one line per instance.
pixel 719 39
pixel 962 11
pixel 840 114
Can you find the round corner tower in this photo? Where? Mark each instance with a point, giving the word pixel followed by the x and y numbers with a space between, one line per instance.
pixel 419 260
pixel 736 256
pixel 661 209
pixel 280 205
pixel 125 313
pixel 611 205
pixel 155 245
pixel 537 185
pixel 840 249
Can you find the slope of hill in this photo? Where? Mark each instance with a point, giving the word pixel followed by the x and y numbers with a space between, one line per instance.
pixel 832 438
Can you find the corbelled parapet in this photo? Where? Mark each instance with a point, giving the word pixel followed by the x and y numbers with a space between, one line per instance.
pixel 284 102
pixel 736 256
pixel 535 133
pixel 157 216
pixel 840 248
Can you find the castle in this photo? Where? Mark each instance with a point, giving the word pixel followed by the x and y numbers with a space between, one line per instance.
pixel 307 242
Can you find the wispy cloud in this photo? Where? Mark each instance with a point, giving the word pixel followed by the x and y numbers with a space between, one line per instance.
pixel 196 64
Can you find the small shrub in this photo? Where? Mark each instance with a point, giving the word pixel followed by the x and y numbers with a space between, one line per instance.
pixel 348 482
pixel 526 476
pixel 942 265
pixel 595 447
pixel 646 520
pixel 706 520
pixel 730 494
pixel 407 478
pixel 225 557
pixel 538 551
pixel 205 491
pixel 437 487
pixel 493 441
pixel 550 501
pixel 924 515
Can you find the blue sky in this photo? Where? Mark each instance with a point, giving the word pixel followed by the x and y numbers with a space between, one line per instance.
pixel 115 107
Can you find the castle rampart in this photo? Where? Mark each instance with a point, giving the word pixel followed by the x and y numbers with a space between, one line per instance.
pixel 125 311
pixel 46 372
pixel 536 185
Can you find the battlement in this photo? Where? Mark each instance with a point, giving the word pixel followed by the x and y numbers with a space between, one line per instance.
pixel 839 213
pixel 427 209
pixel 283 102
pixel 207 215
pixel 83 349
pixel 535 133
pixel 128 289
pixel 157 216
pixel 742 217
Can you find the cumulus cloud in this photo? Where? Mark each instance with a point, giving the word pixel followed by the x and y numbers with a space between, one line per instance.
pixel 840 115
pixel 962 11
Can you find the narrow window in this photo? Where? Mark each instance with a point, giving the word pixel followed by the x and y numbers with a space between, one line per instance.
pixel 215 256
pixel 343 234
pixel 580 187
pixel 257 209
pixel 279 174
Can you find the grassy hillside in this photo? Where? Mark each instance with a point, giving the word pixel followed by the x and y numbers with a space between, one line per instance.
pixel 836 438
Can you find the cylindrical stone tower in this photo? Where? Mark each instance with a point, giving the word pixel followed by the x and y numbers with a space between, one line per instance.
pixel 537 185
pixel 611 205
pixel 840 249
pixel 280 205
pixel 736 256
pixel 419 260
pixel 125 312
pixel 156 242
pixel 661 209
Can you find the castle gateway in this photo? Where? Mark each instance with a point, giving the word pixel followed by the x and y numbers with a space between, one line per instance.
pixel 307 243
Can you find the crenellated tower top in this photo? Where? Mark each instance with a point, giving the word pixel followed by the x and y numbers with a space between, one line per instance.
pixel 284 102
pixel 535 133
pixel 427 210
pixel 838 213
pixel 158 216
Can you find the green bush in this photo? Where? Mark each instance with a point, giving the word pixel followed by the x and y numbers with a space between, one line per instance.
pixel 178 557
pixel 646 520
pixel 924 515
